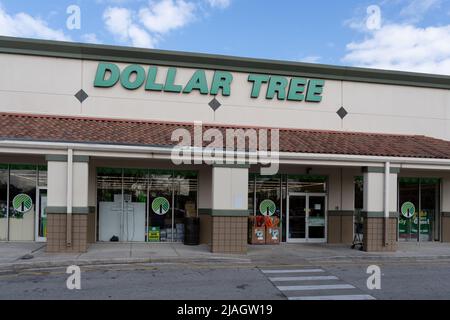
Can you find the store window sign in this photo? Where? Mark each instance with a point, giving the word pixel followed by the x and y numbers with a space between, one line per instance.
pixel 408 210
pixel 160 206
pixel 22 203
pixel 267 207
pixel 135 76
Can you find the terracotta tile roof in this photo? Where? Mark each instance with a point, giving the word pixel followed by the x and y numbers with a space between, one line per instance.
pixel 132 132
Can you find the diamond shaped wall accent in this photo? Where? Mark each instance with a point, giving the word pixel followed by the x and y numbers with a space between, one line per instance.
pixel 214 104
pixel 342 113
pixel 81 95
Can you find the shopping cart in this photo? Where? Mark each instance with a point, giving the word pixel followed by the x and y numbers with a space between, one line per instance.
pixel 358 237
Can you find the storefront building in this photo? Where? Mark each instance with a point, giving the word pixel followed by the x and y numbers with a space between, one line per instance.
pixel 87 148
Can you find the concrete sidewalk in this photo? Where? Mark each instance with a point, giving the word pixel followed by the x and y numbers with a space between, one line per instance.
pixel 22 256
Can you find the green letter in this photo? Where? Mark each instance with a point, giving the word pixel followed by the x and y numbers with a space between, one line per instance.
pixel 102 69
pixel 222 80
pixel 151 78
pixel 258 80
pixel 197 82
pixel 126 74
pixel 170 79
pixel 278 85
pixel 296 89
pixel 315 89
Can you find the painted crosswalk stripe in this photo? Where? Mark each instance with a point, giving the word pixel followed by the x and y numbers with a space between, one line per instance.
pixel 293 271
pixel 306 278
pixel 335 297
pixel 316 287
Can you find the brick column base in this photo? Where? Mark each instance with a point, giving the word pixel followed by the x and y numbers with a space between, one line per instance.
pixel 229 235
pixel 56 233
pixel 373 238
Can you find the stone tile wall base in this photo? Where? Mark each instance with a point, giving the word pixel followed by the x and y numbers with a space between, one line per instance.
pixel 374 235
pixel 56 233
pixel 340 229
pixel 229 235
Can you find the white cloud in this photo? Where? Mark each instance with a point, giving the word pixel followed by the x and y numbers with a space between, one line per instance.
pixel 166 15
pixel 119 22
pixel 222 4
pixel 152 21
pixel 24 25
pixel 90 38
pixel 403 47
pixel 416 9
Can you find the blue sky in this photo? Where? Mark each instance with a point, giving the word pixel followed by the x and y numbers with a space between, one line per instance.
pixel 412 35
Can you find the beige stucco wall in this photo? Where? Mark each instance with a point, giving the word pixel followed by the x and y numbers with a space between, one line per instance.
pixel 229 188
pixel 45 85
pixel 57 184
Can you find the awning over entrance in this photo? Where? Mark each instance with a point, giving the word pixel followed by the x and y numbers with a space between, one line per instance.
pixel 48 128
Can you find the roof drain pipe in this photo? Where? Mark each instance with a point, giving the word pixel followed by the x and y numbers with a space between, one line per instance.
pixel 69 197
pixel 387 171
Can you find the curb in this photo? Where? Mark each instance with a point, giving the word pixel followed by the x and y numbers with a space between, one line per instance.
pixel 379 258
pixel 18 267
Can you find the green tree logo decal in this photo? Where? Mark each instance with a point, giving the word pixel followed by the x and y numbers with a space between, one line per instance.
pixel 408 210
pixel 22 203
pixel 267 207
pixel 160 206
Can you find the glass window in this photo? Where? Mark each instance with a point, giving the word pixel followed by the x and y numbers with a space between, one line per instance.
pixel 155 203
pixel 109 184
pixel 109 198
pixel 22 198
pixel 408 193
pixel 134 213
pixel 42 176
pixel 307 183
pixel 268 190
pixel 359 199
pixel 251 194
pixel 161 207
pixel 359 193
pixel 185 200
pixel 3 202
pixel 419 209
pixel 429 211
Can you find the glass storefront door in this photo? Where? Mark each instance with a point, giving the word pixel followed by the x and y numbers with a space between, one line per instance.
pixel 306 217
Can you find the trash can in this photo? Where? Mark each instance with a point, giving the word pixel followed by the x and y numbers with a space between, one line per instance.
pixel 192 231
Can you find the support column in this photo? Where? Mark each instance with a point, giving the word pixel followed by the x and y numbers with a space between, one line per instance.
pixel 68 183
pixel 341 205
pixel 380 217
pixel 445 214
pixel 229 209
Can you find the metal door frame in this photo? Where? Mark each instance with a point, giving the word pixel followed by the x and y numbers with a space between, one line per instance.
pixel 307 209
